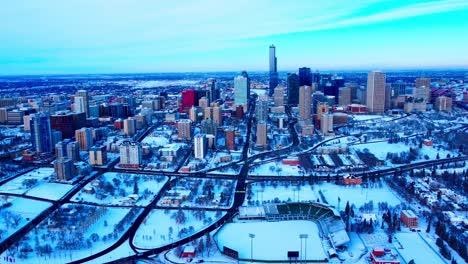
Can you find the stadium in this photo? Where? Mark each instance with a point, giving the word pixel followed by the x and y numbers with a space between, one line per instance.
pixel 315 231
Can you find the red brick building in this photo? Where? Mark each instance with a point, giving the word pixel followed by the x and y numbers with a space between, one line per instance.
pixel 409 219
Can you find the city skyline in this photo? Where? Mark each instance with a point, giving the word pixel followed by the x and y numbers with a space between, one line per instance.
pixel 92 37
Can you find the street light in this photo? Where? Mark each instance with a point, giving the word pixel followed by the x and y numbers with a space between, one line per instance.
pixel 252 236
pixel 305 236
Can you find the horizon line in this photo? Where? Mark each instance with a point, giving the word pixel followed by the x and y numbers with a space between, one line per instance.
pixel 363 70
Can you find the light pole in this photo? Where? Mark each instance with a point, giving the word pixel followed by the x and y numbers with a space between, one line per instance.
pixel 252 236
pixel 305 236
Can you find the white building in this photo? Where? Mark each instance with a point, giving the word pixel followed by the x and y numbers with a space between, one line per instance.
pixel 200 146
pixel 130 154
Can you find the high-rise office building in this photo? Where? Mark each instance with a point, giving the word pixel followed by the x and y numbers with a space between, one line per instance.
pixel 64 169
pixel 305 76
pixel 305 98
pixel 242 90
pixel 41 133
pixel 326 124
pixel 261 110
pixel 98 155
pixel 188 100
pixel 344 96
pixel 426 83
pixel 73 150
pixel 375 95
pixel 214 92
pixel 200 146
pixel 61 150
pixel 293 89
pixel 130 126
pixel 278 96
pixel 84 137
pixel 217 115
pixel 203 102
pixel 273 70
pixel 82 102
pixel 229 137
pixel 443 103
pixel 208 127
pixel 262 134
pixel 130 154
pixel 317 98
pixel 184 128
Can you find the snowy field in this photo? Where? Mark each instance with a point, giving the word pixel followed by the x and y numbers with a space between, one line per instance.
pixel 162 227
pixel 357 195
pixel 155 141
pixel 43 236
pixel 269 192
pixel 275 168
pixel 18 214
pixel 26 182
pixel 415 248
pixel 380 150
pixel 114 189
pixel 271 242
pixel 50 190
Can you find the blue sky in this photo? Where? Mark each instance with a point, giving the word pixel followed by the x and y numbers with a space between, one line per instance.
pixel 103 36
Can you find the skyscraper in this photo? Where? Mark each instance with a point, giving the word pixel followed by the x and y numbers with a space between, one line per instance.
pixel 278 96
pixel 426 83
pixel 229 137
pixel 262 134
pixel 273 70
pixel 41 133
pixel 64 169
pixel 130 126
pixel 344 96
pixel 375 95
pixel 98 155
pixel 305 98
pixel 82 102
pixel 130 154
pixel 305 76
pixel 200 146
pixel 293 89
pixel 242 90
pixel 184 128
pixel 84 137
pixel 261 110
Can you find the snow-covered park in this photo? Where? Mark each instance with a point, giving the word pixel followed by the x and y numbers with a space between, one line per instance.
pixel 162 227
pixel 27 181
pixel 71 233
pixel 271 242
pixel 121 189
pixel 358 195
pixel 275 168
pixel 273 192
pixel 17 212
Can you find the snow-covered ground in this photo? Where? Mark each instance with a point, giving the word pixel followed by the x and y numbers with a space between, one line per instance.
pixel 275 169
pixel 26 182
pixel 115 188
pixel 45 235
pixel 160 226
pixel 155 141
pixel 357 195
pixel 18 214
pixel 415 248
pixel 271 242
pixel 278 192
pixel 380 150
pixel 50 190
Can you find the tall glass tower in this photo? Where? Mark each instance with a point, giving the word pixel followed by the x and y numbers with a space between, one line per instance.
pixel 273 71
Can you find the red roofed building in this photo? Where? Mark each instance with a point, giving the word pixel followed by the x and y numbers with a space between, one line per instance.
pixel 380 255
